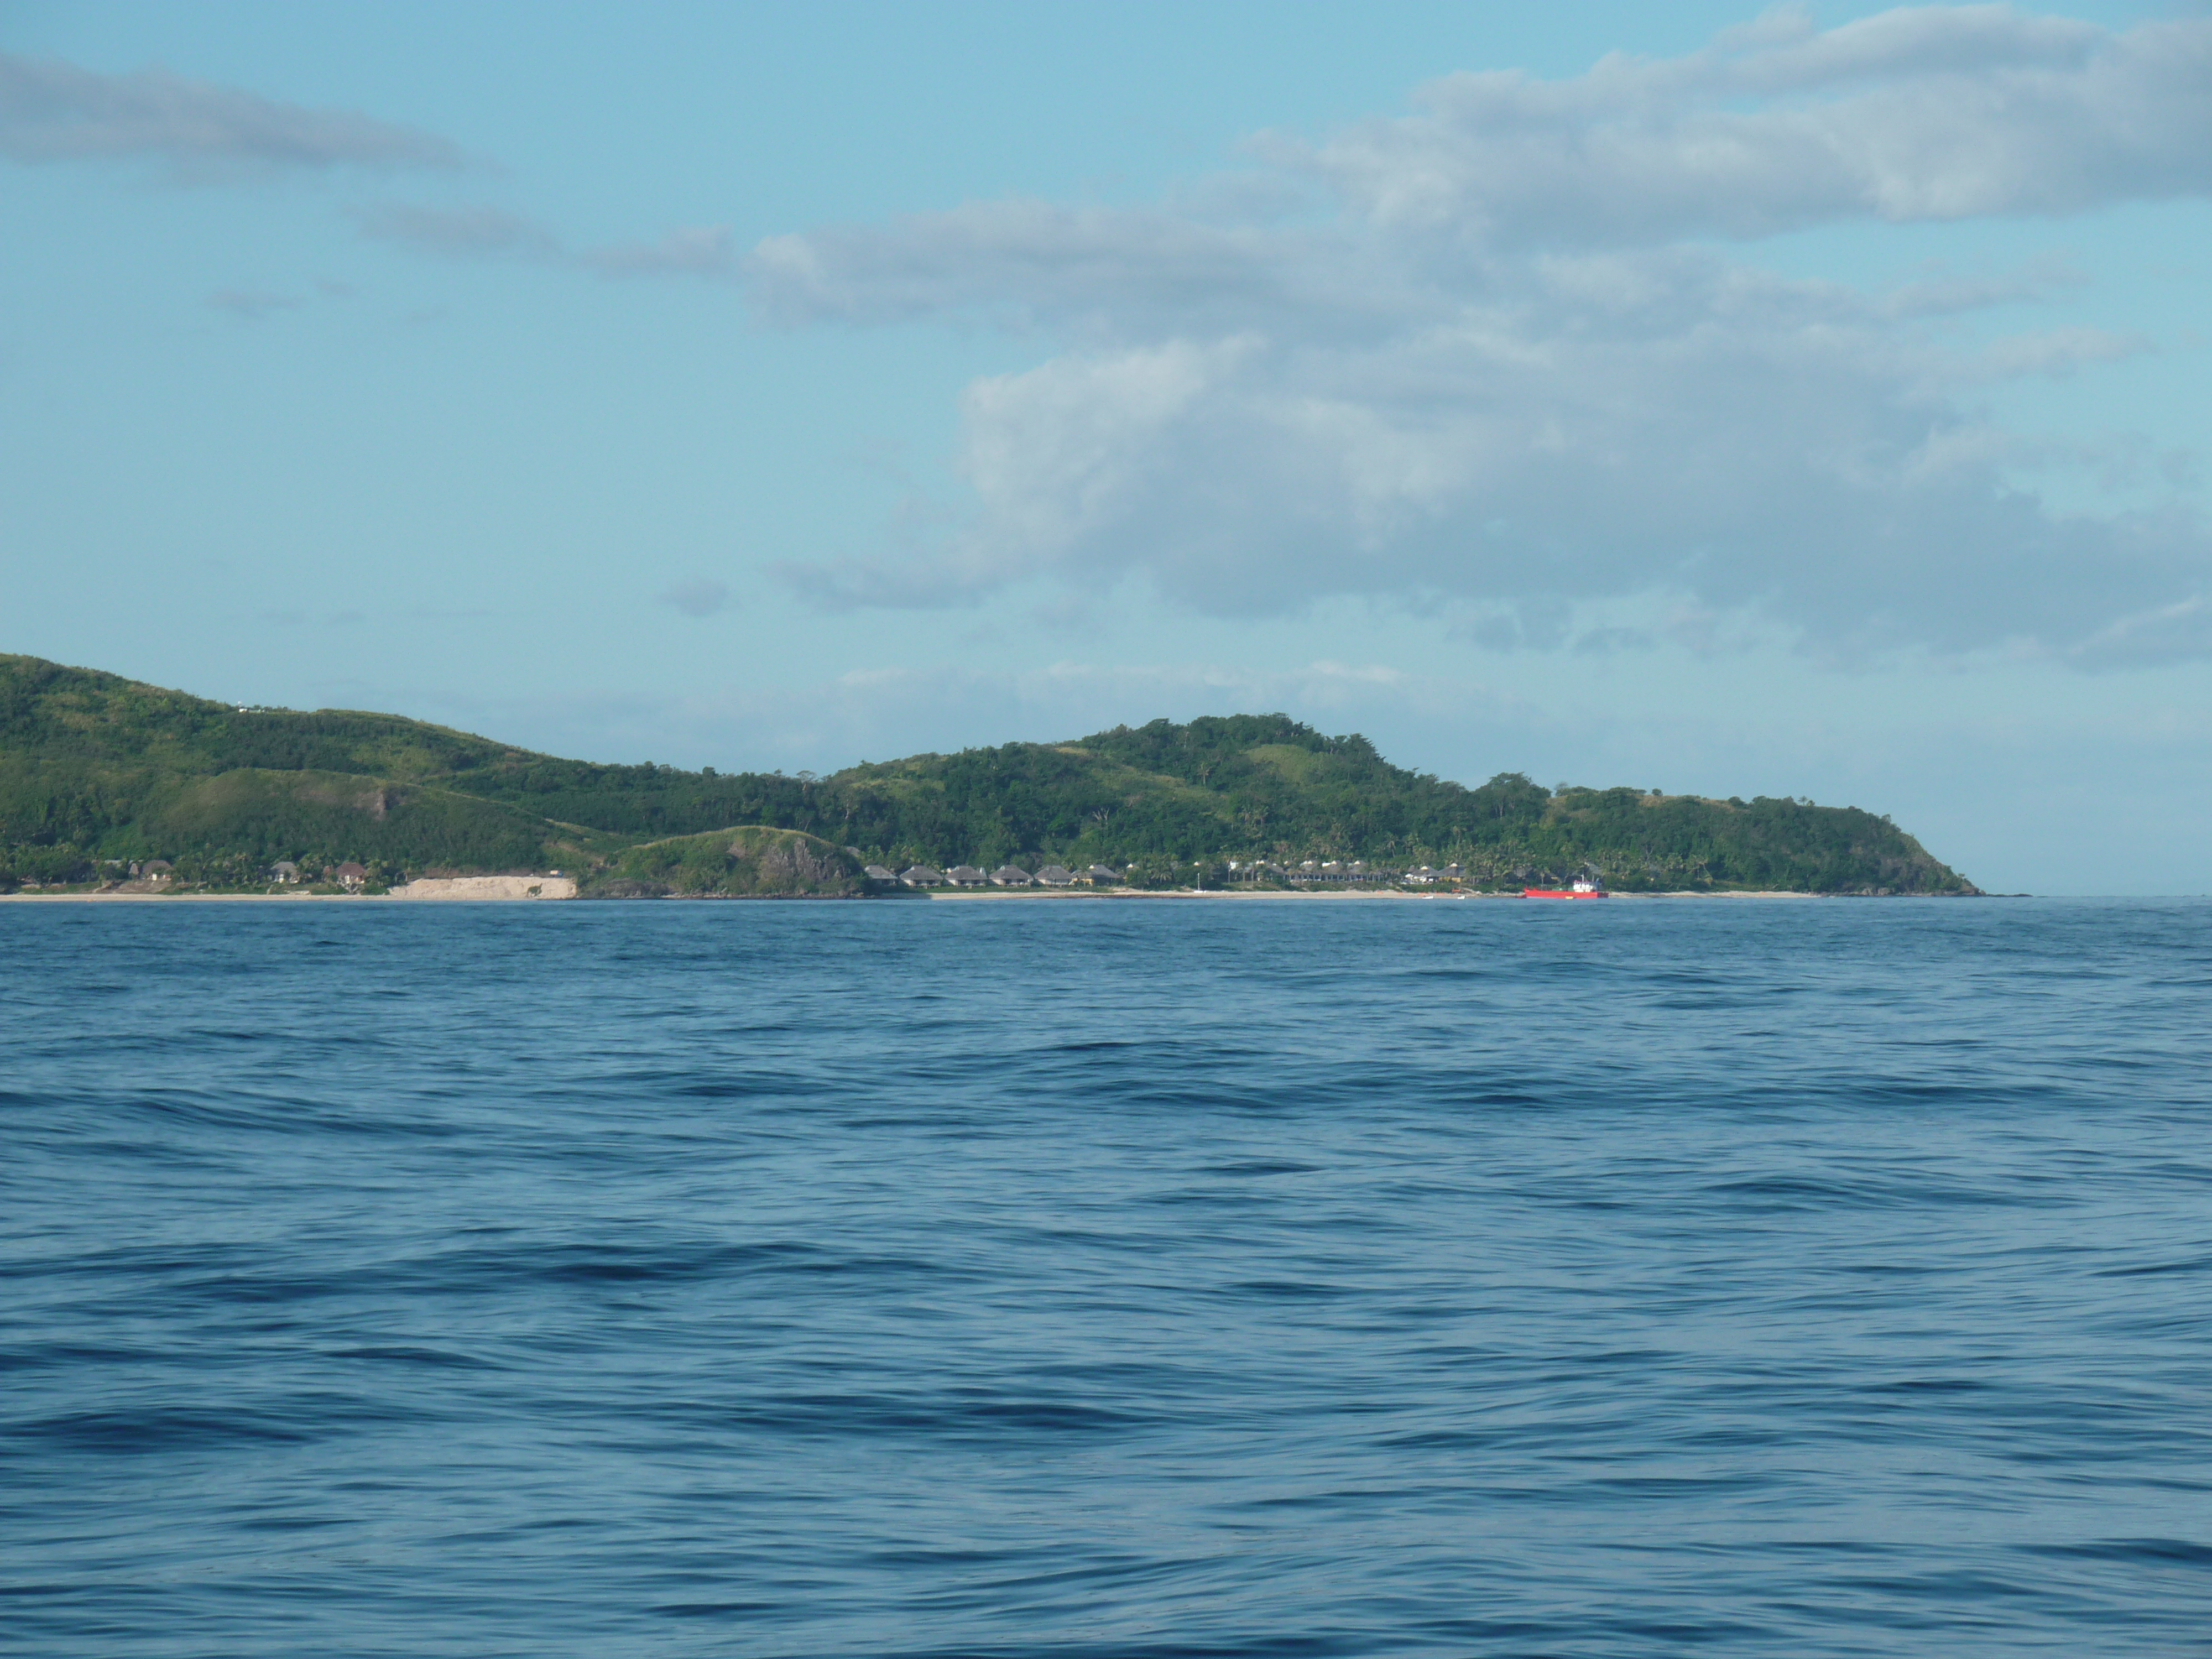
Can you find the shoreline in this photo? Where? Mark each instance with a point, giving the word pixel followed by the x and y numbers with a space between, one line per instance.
pixel 1380 895
pixel 1367 895
pixel 1391 893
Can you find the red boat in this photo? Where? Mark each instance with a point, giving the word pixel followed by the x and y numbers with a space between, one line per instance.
pixel 1581 889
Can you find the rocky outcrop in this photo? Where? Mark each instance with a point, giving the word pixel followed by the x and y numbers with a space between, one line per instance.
pixel 746 863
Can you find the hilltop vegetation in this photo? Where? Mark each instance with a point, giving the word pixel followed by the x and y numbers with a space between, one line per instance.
pixel 96 767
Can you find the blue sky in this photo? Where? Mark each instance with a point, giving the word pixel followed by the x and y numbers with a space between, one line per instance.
pixel 1801 402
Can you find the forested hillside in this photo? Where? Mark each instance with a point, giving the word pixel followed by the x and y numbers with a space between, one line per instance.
pixel 95 768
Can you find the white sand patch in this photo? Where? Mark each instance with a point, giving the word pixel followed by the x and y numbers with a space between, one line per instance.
pixel 487 887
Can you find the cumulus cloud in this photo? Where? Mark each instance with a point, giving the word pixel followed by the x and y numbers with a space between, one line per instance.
pixel 1919 113
pixel 56 112
pixel 1501 352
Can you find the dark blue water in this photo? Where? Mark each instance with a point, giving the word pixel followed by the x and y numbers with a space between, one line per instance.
pixel 1107 1278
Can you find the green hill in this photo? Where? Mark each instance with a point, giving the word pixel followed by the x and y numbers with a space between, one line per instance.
pixel 96 767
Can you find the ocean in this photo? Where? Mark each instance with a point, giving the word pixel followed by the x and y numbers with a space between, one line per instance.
pixel 1124 1278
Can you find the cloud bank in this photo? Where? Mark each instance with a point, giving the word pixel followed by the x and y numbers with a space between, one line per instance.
pixel 1514 349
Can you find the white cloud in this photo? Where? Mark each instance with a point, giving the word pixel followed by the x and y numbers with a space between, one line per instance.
pixel 1486 358
pixel 1929 113
pixel 2165 632
pixel 56 112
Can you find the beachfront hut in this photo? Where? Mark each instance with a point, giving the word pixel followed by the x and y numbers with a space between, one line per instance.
pixel 352 875
pixel 965 875
pixel 1010 875
pixel 922 875
pixel 1054 875
pixel 1103 875
pixel 284 871
pixel 877 872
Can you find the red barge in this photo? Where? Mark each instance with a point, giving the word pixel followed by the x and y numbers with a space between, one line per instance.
pixel 1581 889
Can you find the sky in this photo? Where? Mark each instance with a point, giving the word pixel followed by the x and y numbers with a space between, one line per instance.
pixel 1806 401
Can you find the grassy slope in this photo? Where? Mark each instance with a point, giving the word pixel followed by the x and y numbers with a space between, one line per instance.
pixel 107 768
pixel 92 765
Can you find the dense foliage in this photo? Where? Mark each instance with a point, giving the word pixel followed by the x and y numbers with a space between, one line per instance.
pixel 93 767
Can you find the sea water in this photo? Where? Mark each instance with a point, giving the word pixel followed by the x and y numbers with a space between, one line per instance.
pixel 1170 1277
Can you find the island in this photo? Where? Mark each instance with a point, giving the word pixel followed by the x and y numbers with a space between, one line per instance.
pixel 110 786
